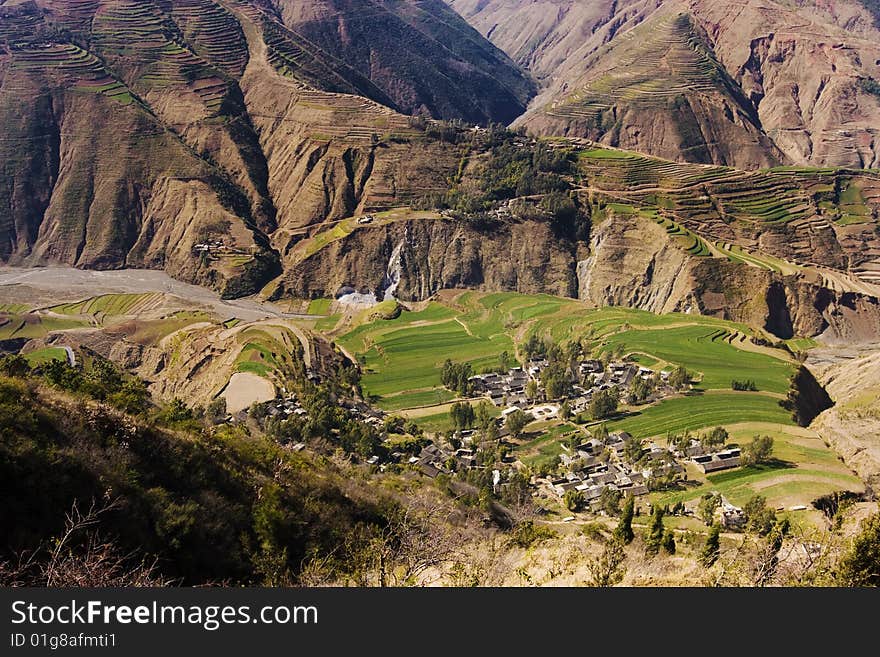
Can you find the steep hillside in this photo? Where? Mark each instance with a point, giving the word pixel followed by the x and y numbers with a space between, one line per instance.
pixel 134 131
pixel 852 427
pixel 791 251
pixel 782 82
pixel 659 89
pixel 423 55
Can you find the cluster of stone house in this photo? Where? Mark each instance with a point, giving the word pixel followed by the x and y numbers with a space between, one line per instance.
pixel 509 388
pixel 594 466
pixel 715 461
pixel 503 389
pixel 214 246
pixel 286 406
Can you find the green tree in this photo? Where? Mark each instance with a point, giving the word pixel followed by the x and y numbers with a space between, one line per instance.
pixel 573 500
pixel 604 404
pixel 609 500
pixel 759 518
pixel 712 549
pixel 516 422
pixel 565 410
pixel 176 411
pixel 709 503
pixel 485 414
pixel 639 390
pixel 216 410
pixel 760 450
pixel 680 378
pixel 532 389
pixel 624 531
pixel 632 449
pixel 133 397
pixel 462 414
pixel 504 361
pixel 669 542
pixel 14 365
pixel 860 565
pixel 654 538
pixel 715 438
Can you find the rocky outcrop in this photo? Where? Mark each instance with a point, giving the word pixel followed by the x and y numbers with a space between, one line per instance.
pixel 852 427
pixel 438 254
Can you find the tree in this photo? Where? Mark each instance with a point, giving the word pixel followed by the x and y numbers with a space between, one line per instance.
pixel 632 449
pixel 654 539
pixel 604 404
pixel 639 390
pixel 216 411
pixel 717 437
pixel 133 397
pixel 608 569
pixel 534 346
pixel 462 414
pixel 860 566
pixel 712 548
pixel 609 500
pixel 516 422
pixel 624 531
pixel 706 509
pixel 176 411
pixel 455 377
pixel 565 410
pixel 485 414
pixel 680 378
pixel 504 361
pixel 669 542
pixel 15 365
pixel 574 500
pixel 760 450
pixel 759 518
pixel 532 390
pixel 599 432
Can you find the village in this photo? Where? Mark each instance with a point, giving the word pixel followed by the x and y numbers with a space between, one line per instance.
pixel 593 463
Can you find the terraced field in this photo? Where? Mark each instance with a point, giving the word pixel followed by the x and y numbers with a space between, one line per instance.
pixel 111 305
pixel 402 358
pixel 655 63
pixel 804 469
pixel 695 412
pixel 718 211
pixel 125 30
pixel 68 63
pixel 710 354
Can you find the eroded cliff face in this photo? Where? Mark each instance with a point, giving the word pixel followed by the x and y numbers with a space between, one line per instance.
pixel 806 69
pixel 439 254
pixel 852 426
pixel 631 261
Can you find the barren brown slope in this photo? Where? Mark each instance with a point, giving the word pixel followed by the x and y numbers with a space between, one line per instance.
pixel 427 59
pixel 806 69
pixel 852 427
pixel 134 130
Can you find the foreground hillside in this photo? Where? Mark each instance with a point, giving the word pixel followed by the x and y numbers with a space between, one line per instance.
pixel 742 84
pixel 104 489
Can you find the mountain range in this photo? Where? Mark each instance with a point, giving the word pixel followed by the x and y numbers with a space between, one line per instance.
pixel 233 142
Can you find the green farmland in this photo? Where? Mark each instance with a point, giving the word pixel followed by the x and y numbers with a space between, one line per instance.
pixel 402 357
pixel 695 412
